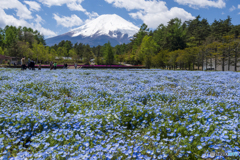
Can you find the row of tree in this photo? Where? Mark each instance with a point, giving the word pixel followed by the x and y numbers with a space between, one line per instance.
pixel 13 39
pixel 188 45
pixel 184 45
pixel 102 54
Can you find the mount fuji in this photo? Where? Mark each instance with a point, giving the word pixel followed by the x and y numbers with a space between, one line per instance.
pixel 99 31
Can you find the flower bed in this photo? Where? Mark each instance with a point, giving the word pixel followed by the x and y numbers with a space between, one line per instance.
pixel 142 114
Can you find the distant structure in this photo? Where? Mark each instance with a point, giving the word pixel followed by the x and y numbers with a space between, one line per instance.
pixel 211 65
pixel 65 58
pixel 12 60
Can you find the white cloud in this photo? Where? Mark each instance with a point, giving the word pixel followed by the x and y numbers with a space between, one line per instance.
pixel 223 13
pixel 232 8
pixel 75 7
pixel 24 14
pixel 11 20
pixel 50 3
pixel 239 6
pixel 68 21
pixel 21 9
pixel 153 13
pixel 33 5
pixel 92 15
pixel 202 3
pixel 39 19
pixel 38 26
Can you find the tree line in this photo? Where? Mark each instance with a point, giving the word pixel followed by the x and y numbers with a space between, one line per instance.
pixel 183 45
pixel 23 41
pixel 18 41
pixel 188 45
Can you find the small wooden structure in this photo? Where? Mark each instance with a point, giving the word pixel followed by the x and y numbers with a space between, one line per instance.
pixel 12 60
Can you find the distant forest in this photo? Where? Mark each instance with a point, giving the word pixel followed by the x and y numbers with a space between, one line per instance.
pixel 184 45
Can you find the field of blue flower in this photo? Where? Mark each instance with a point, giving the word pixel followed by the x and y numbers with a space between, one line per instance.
pixel 118 114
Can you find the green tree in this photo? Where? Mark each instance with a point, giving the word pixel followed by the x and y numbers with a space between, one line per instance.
pixel 214 54
pixel 39 52
pixel 175 35
pixel 10 35
pixel 23 48
pixel 109 55
pixel 98 54
pixel 148 47
pixel 88 54
pixel 197 31
pixel 53 54
pixel 2 38
pixel 172 58
pixel 68 45
pixel 79 48
pixel 61 51
pixel 159 36
pixel 161 59
pixel 221 28
pixel 1 51
pixel 73 54
pixel 236 53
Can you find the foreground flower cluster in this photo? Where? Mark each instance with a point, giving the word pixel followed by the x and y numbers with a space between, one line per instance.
pixel 118 114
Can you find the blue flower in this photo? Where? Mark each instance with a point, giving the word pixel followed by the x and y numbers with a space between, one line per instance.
pixel 199 147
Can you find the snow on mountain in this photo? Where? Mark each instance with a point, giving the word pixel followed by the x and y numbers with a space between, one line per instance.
pixel 108 27
pixel 104 25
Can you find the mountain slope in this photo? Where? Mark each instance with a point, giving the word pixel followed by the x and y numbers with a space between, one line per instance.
pixel 99 31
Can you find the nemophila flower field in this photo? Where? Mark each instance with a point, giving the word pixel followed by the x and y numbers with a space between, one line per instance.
pixel 118 114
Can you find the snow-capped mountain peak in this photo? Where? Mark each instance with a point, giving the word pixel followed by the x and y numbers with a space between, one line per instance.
pixel 108 24
pixel 105 28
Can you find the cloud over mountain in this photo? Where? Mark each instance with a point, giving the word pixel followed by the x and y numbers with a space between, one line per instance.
pixel 202 3
pixel 152 13
pixel 99 31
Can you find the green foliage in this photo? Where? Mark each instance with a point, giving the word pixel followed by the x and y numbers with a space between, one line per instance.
pixel 53 54
pixel 61 52
pixel 174 45
pixel 148 47
pixel 88 54
pixel 73 54
pixel 109 55
pixel 134 118
pixel 1 51
pixel 175 35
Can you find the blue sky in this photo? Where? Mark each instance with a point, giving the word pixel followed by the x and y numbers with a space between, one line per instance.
pixel 55 17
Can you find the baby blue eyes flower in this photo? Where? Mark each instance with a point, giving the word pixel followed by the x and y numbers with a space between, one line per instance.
pixel 199 147
pixel 89 117
pixel 234 136
pixel 146 115
pixel 196 135
pixel 204 156
pixel 86 144
pixel 8 147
